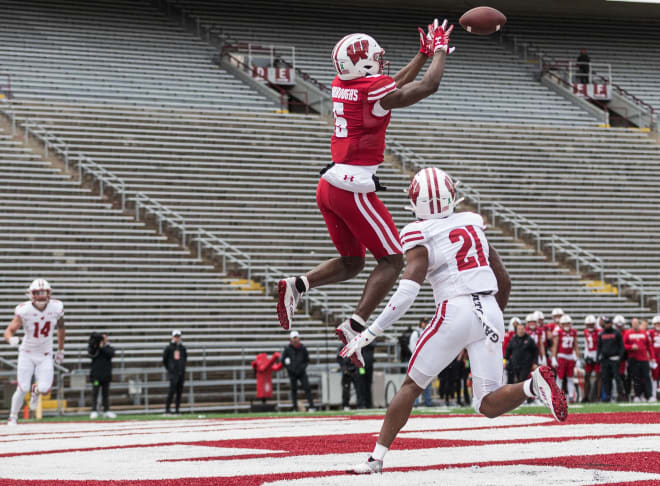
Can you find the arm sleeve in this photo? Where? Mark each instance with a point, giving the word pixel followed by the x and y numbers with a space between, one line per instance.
pixel 380 88
pixel 166 356
pixel 397 306
pixel 627 345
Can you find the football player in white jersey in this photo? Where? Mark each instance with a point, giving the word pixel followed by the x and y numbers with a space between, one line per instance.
pixel 38 317
pixel 470 287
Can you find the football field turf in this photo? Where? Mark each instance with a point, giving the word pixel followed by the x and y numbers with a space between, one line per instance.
pixel 598 444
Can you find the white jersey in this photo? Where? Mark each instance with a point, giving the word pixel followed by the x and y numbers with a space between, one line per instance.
pixel 39 326
pixel 457 253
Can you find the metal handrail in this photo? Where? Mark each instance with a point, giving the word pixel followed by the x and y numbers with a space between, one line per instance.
pixel 207 240
pixel 520 224
pixel 316 297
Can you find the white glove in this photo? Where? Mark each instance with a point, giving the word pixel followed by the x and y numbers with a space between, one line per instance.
pixel 355 345
pixel 14 340
pixel 542 360
pixel 554 362
pixel 59 357
pixel 287 361
pixel 653 365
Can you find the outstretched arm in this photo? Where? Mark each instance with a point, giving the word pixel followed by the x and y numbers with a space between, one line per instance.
pixel 411 280
pixel 413 91
pixel 410 72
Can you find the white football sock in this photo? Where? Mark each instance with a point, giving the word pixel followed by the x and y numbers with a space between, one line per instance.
pixel 527 388
pixel 570 386
pixel 379 452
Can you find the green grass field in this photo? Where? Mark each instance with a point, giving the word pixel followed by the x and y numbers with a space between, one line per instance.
pixel 581 408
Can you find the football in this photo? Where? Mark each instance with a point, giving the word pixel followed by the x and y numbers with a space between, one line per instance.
pixel 482 20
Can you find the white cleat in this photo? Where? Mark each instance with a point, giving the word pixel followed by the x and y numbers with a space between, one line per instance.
pixel 287 301
pixel 34 397
pixel 12 421
pixel 110 415
pixel 370 466
pixel 94 415
pixel 546 389
pixel 346 333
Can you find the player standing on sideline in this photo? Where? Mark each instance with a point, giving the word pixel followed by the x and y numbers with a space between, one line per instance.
pixel 537 333
pixel 470 287
pixel 362 98
pixel 39 316
pixel 654 335
pixel 591 365
pixel 565 353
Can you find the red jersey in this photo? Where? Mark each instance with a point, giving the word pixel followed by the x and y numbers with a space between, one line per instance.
pixel 359 137
pixel 591 341
pixel 538 335
pixel 640 340
pixel 566 344
pixel 655 340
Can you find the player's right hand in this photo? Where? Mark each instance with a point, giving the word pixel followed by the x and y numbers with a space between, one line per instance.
pixel 426 41
pixel 358 342
pixel 554 362
pixel 14 341
pixel 441 37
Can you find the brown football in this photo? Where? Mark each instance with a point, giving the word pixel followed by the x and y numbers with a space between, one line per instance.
pixel 482 20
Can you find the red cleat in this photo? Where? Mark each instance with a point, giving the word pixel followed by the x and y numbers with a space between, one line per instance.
pixel 546 389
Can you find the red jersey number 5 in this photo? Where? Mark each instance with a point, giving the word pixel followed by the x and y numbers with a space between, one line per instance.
pixel 341 126
pixel 470 238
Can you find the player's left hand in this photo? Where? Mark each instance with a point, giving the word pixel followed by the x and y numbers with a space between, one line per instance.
pixel 59 357
pixel 653 364
pixel 358 342
pixel 14 341
pixel 441 37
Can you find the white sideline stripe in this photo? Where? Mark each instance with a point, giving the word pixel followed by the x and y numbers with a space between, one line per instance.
pixel 147 463
pixel 539 432
pixel 372 223
pixel 491 476
pixel 393 239
pixel 98 435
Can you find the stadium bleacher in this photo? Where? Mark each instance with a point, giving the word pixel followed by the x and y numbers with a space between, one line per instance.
pixel 630 46
pixel 168 122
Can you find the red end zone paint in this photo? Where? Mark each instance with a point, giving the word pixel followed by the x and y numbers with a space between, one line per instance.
pixel 646 462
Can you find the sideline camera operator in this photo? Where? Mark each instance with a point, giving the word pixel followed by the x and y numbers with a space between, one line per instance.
pixel 100 372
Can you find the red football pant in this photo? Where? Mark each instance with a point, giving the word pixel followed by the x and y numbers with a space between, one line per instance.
pixel 655 374
pixel 593 367
pixel 565 368
pixel 357 221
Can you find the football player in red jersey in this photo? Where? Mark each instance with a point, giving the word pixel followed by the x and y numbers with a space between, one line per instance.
pixel 591 365
pixel 640 356
pixel 565 353
pixel 362 99
pixel 538 335
pixel 654 335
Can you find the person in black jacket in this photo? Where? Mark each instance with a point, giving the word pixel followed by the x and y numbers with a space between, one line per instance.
pixel 296 358
pixel 100 372
pixel 174 360
pixel 348 376
pixel 583 62
pixel 521 354
pixel 608 353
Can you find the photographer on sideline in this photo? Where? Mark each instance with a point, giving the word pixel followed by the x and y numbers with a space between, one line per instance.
pixel 100 372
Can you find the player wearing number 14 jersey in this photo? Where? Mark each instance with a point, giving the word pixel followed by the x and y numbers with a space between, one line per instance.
pixel 362 99
pixel 39 317
pixel 471 288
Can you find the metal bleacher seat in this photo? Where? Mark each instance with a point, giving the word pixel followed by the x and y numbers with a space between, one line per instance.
pixel 232 166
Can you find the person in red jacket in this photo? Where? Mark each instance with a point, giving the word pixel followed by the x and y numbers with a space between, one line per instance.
pixel 640 355
pixel 654 335
pixel 591 364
